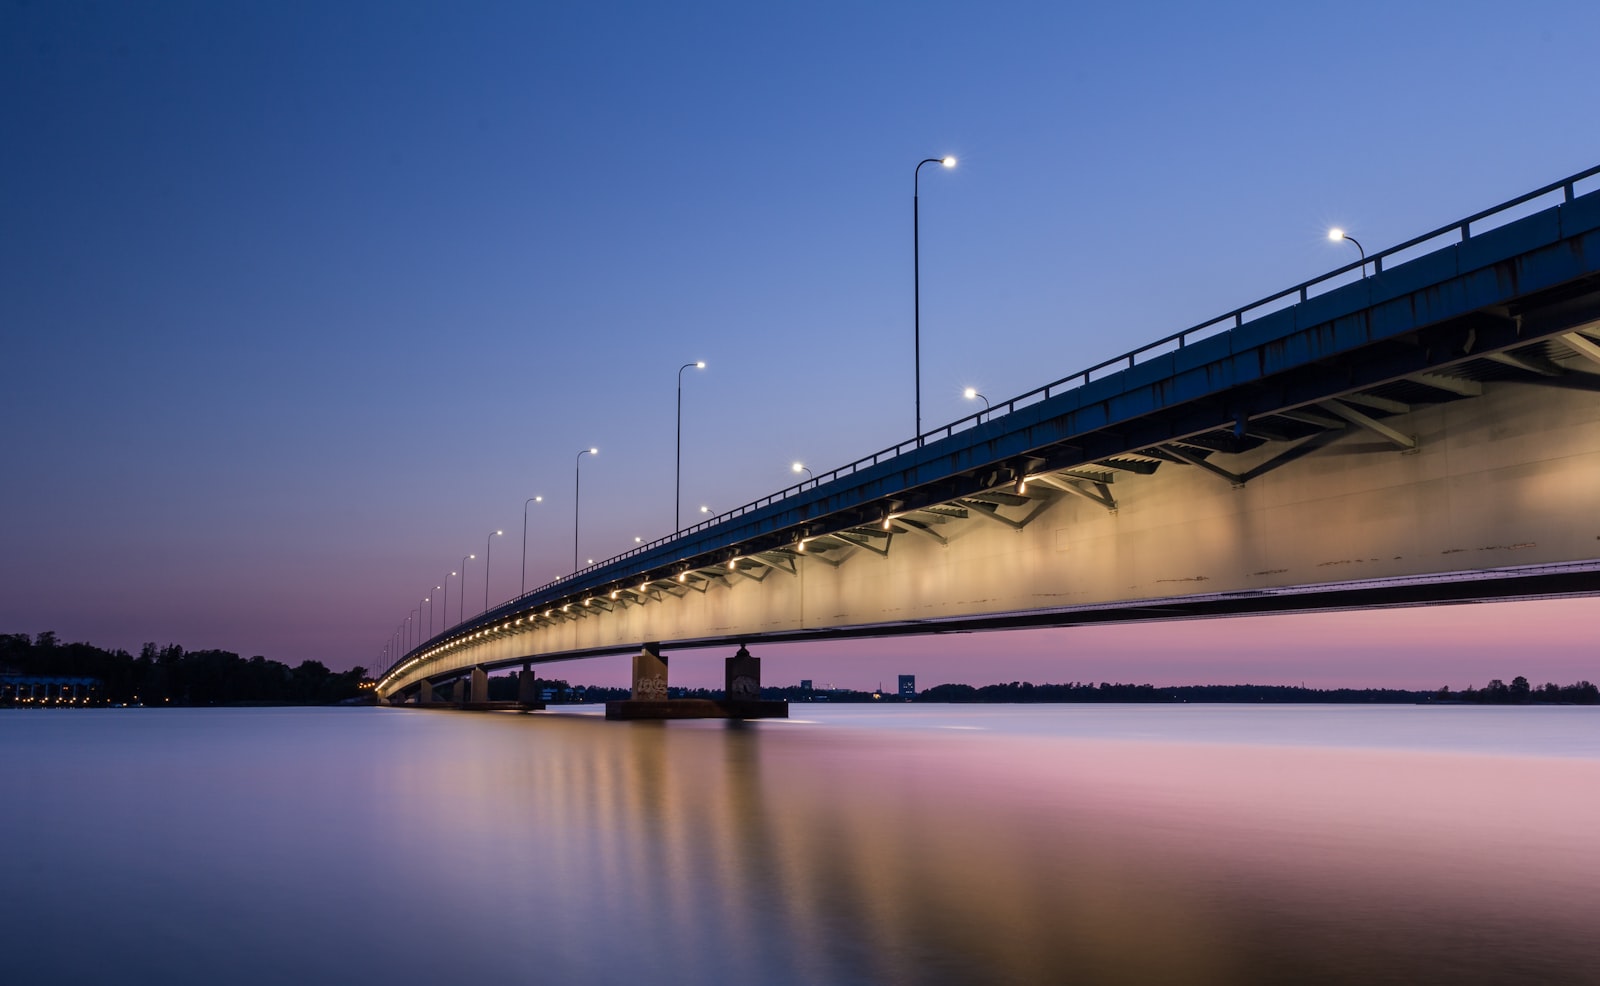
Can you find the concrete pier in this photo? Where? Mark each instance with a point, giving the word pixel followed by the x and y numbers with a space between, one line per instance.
pixel 742 686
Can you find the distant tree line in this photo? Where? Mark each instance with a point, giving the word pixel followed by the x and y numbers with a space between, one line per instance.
pixel 1520 692
pixel 1023 692
pixel 172 676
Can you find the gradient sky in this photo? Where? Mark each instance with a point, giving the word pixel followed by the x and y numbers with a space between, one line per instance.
pixel 301 300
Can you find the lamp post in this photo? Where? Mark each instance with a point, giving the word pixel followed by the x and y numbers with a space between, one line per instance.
pixel 532 499
pixel 801 467
pixel 916 280
pixel 428 599
pixel 677 483
pixel 1336 234
pixel 461 607
pixel 577 477
pixel 488 548
pixel 444 607
pixel 437 588
pixel 971 394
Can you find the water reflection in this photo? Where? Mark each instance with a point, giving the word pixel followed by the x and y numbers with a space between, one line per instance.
pixel 558 849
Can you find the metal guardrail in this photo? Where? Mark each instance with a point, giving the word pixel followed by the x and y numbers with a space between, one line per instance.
pixel 1177 340
pixel 1299 292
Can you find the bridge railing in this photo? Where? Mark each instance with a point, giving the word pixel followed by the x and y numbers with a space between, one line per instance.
pixel 1461 229
pixel 1177 340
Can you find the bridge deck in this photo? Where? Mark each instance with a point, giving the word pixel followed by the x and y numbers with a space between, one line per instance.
pixel 1513 302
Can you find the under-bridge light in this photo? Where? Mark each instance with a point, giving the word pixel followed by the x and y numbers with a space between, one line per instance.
pixel 683 576
pixel 614 593
pixel 732 563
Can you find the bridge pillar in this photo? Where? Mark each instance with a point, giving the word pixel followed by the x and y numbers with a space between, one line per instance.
pixel 458 691
pixel 649 675
pixel 425 694
pixel 480 685
pixel 527 686
pixel 742 677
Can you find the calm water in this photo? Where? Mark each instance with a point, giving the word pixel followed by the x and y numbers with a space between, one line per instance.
pixel 917 844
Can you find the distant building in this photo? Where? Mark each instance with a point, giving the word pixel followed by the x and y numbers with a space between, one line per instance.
pixel 805 683
pixel 908 686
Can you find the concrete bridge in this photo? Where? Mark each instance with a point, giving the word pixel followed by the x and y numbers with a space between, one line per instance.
pixel 1419 427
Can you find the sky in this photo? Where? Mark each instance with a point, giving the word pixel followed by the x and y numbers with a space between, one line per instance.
pixel 300 301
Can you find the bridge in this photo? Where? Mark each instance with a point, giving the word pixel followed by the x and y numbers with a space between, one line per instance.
pixel 1420 426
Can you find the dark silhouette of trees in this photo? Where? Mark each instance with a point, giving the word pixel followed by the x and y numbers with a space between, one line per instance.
pixel 171 676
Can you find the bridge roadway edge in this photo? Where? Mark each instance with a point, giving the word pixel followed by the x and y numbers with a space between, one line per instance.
pixel 1544 264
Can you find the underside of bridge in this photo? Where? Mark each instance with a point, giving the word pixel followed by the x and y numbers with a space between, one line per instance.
pixel 1457 459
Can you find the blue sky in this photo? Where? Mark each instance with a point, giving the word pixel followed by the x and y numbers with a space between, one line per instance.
pixel 300 300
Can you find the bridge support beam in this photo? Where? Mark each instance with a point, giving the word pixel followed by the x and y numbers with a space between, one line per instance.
pixel 425 693
pixel 528 688
pixel 742 678
pixel 458 691
pixel 649 675
pixel 480 686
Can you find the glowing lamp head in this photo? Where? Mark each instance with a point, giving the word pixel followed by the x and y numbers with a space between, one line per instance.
pixel 1335 234
pixel 700 364
pixel 499 532
pixel 798 467
pixel 594 451
pixel 949 161
pixel 970 393
pixel 705 510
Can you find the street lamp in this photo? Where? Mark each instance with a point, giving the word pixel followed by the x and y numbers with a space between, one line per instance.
pixel 429 600
pixel 677 484
pixel 801 467
pixel 461 607
pixel 971 394
pixel 488 546
pixel 531 499
pixel 916 280
pixel 437 588
pixel 1336 234
pixel 444 608
pixel 577 476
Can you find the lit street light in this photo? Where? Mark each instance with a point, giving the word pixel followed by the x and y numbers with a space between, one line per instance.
pixel 801 467
pixel 577 477
pixel 677 484
pixel 461 607
pixel 531 499
pixel 488 546
pixel 1336 234
pixel 444 607
pixel 971 394
pixel 916 280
